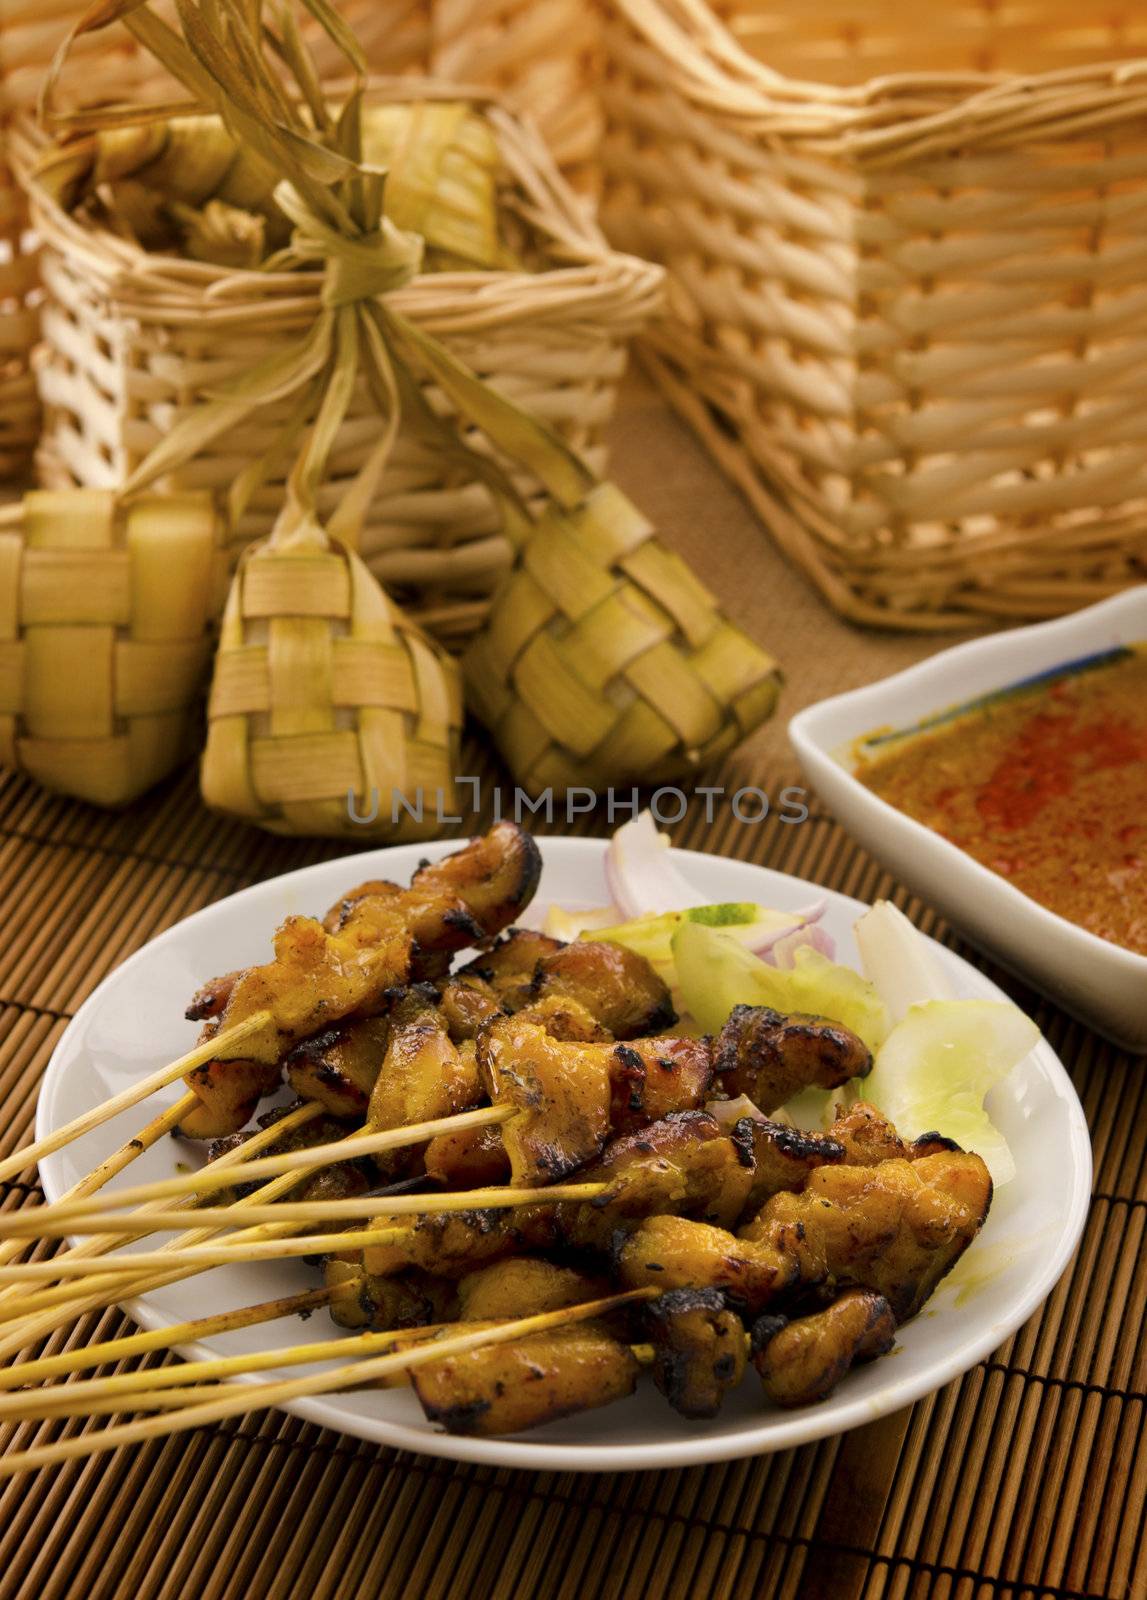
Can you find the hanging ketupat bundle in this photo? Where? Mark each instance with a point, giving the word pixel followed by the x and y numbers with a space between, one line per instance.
pixel 605 662
pixel 105 636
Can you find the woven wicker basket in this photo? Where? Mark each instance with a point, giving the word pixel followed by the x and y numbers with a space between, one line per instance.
pixel 132 341
pixel 540 55
pixel 19 406
pixel 908 312
pixel 106 616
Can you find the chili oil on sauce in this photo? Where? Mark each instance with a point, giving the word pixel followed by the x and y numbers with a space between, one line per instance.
pixel 1045 784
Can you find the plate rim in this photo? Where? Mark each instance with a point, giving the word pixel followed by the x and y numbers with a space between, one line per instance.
pixel 803 1427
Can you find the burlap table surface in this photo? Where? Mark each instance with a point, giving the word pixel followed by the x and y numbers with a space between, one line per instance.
pixel 1025 1479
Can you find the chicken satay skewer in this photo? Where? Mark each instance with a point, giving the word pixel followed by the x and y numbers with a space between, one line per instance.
pixel 68 1301
pixel 364 1142
pixel 135 1344
pixel 122 1391
pixel 225 1252
pixel 252 1397
pixel 224 1044
pixel 109 1168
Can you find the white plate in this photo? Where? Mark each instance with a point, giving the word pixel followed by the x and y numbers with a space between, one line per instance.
pixel 133 1023
pixel 1094 979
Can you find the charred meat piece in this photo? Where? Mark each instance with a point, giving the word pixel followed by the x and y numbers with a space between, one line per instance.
pixel 473 1159
pixel 770 1057
pixel 522 1285
pixel 369 944
pixel 784 1156
pixel 424 1074
pixel 344 1274
pixel 869 1138
pixel 339 1066
pixel 467 1003
pixel 410 1299
pixel 211 1000
pixel 802 1362
pixel 616 985
pixel 895 1228
pixel 564 1018
pixel 453 1243
pixel 686 1164
pixel 505 1388
pixel 674 1253
pixel 477 891
pixel 561 1090
pixel 228 1093
pixel 699 1349
pixel 508 966
pixel 653 1077
pixel 321 1130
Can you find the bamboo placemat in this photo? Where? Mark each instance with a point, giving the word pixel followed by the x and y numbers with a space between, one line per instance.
pixel 1027 1479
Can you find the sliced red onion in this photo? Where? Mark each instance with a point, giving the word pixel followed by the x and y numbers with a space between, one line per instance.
pixel 783 953
pixel 800 919
pixel 640 873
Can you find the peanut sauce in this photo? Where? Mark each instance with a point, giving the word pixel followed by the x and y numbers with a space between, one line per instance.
pixel 1045 784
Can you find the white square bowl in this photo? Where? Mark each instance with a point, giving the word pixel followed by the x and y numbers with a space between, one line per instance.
pixel 1097 981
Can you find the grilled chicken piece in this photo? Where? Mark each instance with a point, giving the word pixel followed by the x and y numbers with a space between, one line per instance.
pixel 376 940
pixel 686 1164
pixel 505 1388
pixel 770 1057
pixel 211 1000
pixel 484 886
pixel 896 1228
pixel 344 1274
pixel 869 1138
pixel 521 1286
pixel 228 1093
pixel 339 1067
pixel 509 965
pixel 409 1299
pixel 466 1003
pixel 653 1077
pixel 674 1253
pixel 562 1091
pixel 616 985
pixel 473 1159
pixel 453 1243
pixel 564 1018
pixel 699 1349
pixel 784 1156
pixel 802 1362
pixel 351 1177
pixel 423 1074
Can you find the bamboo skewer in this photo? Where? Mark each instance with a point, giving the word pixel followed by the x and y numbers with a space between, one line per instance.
pixel 161 1388
pixel 107 1169
pixel 103 1242
pixel 207 1178
pixel 226 1252
pixel 136 1344
pixel 255 1396
pixel 125 1389
pixel 209 1050
pixel 111 1288
pixel 161 1218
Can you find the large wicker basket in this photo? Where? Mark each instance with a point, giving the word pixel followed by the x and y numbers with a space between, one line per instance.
pixel 908 283
pixel 131 341
pixel 19 407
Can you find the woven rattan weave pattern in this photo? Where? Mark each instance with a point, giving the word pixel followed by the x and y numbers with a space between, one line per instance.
pixel 906 305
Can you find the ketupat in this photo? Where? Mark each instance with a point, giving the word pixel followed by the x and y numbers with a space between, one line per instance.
pixel 105 636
